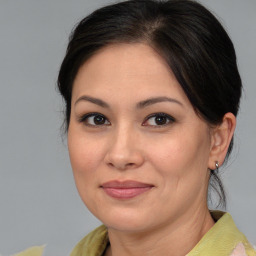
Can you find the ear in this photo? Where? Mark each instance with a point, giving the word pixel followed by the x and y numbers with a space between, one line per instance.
pixel 221 136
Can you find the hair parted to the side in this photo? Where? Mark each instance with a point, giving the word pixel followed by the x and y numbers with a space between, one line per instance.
pixel 188 37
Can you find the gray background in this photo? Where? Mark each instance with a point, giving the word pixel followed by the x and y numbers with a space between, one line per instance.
pixel 38 199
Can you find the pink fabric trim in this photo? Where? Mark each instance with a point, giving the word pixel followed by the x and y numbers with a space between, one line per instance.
pixel 239 250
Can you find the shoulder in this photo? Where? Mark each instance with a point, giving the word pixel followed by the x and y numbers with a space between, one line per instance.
pixel 223 239
pixel 94 244
pixel 32 251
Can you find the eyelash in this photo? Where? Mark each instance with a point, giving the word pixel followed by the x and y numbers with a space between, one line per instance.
pixel 168 117
pixel 84 119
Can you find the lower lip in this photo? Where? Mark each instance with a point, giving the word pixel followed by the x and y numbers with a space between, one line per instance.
pixel 125 193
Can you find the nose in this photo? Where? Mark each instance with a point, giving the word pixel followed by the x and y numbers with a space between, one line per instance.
pixel 124 150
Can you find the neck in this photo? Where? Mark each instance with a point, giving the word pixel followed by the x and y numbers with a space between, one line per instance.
pixel 175 239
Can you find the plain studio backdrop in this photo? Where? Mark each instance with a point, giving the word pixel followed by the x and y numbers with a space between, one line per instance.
pixel 39 203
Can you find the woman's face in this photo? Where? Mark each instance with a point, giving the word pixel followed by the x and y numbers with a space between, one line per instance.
pixel 138 150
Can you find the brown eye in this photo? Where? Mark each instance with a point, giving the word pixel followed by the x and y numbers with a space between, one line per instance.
pixel 94 119
pixel 159 119
pixel 99 120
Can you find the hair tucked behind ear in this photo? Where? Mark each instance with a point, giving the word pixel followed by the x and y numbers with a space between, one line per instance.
pixel 218 188
pixel 191 40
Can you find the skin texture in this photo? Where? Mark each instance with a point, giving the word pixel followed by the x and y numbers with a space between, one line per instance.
pixel 173 157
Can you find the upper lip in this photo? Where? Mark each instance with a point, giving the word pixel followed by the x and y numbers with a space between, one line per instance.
pixel 125 184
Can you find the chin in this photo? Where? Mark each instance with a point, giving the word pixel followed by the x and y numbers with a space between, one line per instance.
pixel 128 220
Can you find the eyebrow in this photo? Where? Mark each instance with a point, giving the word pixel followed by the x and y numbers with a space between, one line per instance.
pixel 155 100
pixel 141 104
pixel 96 101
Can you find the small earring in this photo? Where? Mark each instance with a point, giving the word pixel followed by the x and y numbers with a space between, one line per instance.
pixel 217 166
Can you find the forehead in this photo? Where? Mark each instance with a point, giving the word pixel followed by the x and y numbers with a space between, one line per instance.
pixel 127 69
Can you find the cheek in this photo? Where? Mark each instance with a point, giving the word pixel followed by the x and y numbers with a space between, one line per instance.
pixel 181 157
pixel 171 154
pixel 84 157
pixel 181 163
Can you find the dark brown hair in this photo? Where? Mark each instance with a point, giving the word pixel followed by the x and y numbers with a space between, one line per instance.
pixel 188 36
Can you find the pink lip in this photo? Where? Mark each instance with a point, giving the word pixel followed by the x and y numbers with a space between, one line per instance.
pixel 125 189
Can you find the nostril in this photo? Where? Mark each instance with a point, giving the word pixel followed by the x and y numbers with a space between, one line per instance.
pixel 121 166
pixel 110 164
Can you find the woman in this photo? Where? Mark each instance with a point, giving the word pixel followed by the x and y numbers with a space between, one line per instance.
pixel 152 92
pixel 156 92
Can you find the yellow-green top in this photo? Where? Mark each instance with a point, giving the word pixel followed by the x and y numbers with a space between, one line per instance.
pixel 223 239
